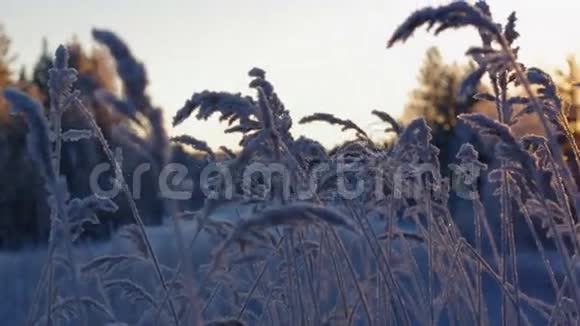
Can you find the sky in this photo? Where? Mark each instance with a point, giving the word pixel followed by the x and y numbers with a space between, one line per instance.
pixel 321 55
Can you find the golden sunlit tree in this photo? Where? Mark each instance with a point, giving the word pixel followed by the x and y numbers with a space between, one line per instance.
pixel 569 93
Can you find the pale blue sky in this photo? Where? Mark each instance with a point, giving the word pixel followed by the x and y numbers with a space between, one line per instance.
pixel 322 55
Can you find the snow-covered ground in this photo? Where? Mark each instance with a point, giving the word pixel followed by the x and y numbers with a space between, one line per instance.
pixel 20 271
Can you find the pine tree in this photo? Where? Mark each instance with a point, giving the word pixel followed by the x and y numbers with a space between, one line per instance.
pixel 436 99
pixel 40 71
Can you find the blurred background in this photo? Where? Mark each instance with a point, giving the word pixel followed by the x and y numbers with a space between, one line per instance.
pixel 323 55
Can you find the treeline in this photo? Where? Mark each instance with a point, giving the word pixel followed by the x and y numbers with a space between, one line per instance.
pixel 442 93
pixel 24 215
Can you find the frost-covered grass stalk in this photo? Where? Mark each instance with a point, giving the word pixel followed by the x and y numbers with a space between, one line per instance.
pixel 504 71
pixel 40 148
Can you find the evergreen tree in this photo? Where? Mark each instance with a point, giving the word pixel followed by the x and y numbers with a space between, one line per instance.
pixel 40 71
pixel 436 99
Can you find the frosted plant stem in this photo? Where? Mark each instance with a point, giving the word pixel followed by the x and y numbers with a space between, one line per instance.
pixel 350 318
pixel 378 297
pixel 256 283
pixel 55 118
pixel 191 293
pixel 265 289
pixel 507 244
pixel 352 272
pixel 103 294
pixel 382 263
pixel 513 253
pixel 212 296
pixel 49 287
pixel 340 245
pixel 252 290
pixel 418 281
pixel 452 268
pixel 430 261
pixel 564 201
pixel 552 139
pixel 420 285
pixel 559 298
pixel 292 269
pixel 305 315
pixel 539 245
pixel 178 269
pixel 570 273
pixel 390 231
pixel 133 207
pixel 59 193
pixel 308 267
pixel 339 278
pixel 289 294
pixel 40 286
pixel 46 278
pixel 496 277
pixel 503 262
pixel 478 276
pixel 267 305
